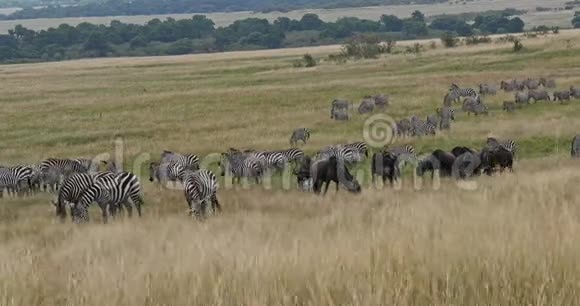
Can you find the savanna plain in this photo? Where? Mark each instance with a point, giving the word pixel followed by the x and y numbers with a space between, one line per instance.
pixel 510 239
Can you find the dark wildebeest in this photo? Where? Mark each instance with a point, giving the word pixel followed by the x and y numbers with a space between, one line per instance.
pixel 332 170
pixel 461 150
pixel 385 165
pixel 490 158
pixel 438 160
pixel 467 162
pixel 303 173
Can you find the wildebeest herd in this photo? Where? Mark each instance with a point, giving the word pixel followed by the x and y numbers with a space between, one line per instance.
pixel 77 183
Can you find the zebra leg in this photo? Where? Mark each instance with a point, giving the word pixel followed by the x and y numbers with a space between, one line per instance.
pixel 137 201
pixel 104 212
pixel 129 208
pixel 216 206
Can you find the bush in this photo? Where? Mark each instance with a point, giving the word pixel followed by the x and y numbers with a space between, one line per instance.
pixel 433 45
pixel 309 61
pixel 449 40
pixel 518 46
pixel 364 47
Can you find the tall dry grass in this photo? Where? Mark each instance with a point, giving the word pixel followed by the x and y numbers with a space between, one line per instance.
pixel 513 241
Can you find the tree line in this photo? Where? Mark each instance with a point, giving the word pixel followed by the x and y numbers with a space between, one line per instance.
pixel 200 35
pixel 150 7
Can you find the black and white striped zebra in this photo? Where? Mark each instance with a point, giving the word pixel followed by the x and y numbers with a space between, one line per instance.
pixel 292 154
pixel 187 161
pixel 403 154
pixel 88 164
pixel 361 147
pixel 64 167
pixel 508 144
pixel 301 134
pixel 73 187
pixel 238 165
pixel 15 179
pixel 166 172
pixel 456 91
pixel 342 153
pixel 110 193
pixel 200 189
pixel 422 128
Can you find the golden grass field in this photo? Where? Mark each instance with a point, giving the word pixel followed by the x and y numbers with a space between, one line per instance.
pixel 532 18
pixel 513 240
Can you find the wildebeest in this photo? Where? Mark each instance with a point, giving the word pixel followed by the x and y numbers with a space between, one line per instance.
pixel 539 95
pixel 461 150
pixel 562 96
pixel 438 160
pixel 404 127
pixel 467 162
pixel 477 108
pixel 302 173
pixel 498 156
pixel 575 150
pixel 509 106
pixel 381 101
pixel 332 170
pixel 366 106
pixel 384 164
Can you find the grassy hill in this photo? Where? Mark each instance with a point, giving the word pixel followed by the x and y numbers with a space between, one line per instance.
pixel 510 240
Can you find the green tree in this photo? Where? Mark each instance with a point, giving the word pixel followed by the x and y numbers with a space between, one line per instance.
pixel 418 16
pixel 392 23
pixel 311 22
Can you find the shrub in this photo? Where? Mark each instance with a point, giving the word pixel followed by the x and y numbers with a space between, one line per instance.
pixel 449 40
pixel 476 40
pixel 309 61
pixel 518 46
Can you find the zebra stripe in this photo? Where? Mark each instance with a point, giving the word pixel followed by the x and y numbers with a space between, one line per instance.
pixel 200 187
pixel 508 144
pixel 110 192
pixel 171 171
pixel 292 154
pixel 302 134
pixel 346 154
pixel 456 91
pixel 237 165
pixel 13 179
pixel 187 161
pixel 360 147
pixel 64 167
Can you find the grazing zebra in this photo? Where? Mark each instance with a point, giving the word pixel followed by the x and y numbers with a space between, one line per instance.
pixel 340 114
pixel 575 92
pixel 434 119
pixel 15 179
pixel 446 115
pixel 187 161
pixel 366 106
pixel 462 92
pixel 487 89
pixel 540 95
pixel 271 160
pixel 508 144
pixel 238 165
pixel 451 97
pixel 200 187
pixel 509 86
pixel 302 134
pixel 110 192
pixel 403 154
pixel 532 84
pixel 70 192
pixel 404 127
pixel 292 155
pixel 170 171
pixel 339 106
pixel 381 101
pixel 346 154
pixel 421 128
pixel 88 164
pixel 63 167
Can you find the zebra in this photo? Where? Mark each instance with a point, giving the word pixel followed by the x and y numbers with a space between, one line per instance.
pixel 200 187
pixel 487 89
pixel 404 154
pixel 187 161
pixel 421 128
pixel 170 171
pixel 73 187
pixel 338 106
pixel 110 192
pixel 64 167
pixel 361 147
pixel 346 154
pixel 292 155
pixel 88 164
pixel 15 179
pixel 575 147
pixel 302 134
pixel 547 83
pixel 404 127
pixel 446 115
pixel 462 92
pixel 271 160
pixel 451 97
pixel 238 165
pixel 508 144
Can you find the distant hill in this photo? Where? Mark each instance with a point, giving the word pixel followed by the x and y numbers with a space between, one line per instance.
pixel 150 7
